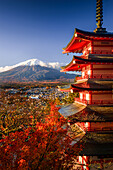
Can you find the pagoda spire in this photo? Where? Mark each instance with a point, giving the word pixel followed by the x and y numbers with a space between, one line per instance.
pixel 99 17
pixel 99 13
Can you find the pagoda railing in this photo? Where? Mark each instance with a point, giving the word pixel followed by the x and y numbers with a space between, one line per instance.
pixel 85 77
pixel 97 76
pixel 101 129
pixel 104 76
pixel 84 101
pixel 102 102
pixel 78 78
pixel 102 52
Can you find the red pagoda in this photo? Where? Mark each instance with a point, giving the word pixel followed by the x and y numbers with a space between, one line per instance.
pixel 92 112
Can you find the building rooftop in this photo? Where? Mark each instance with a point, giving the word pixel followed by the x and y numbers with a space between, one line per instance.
pixel 71 109
pixel 93 86
pixel 82 38
pixel 97 144
pixel 80 61
pixel 77 112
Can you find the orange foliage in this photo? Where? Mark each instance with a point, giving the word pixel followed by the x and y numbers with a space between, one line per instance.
pixel 44 146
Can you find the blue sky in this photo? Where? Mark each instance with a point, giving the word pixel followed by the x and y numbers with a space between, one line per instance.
pixel 41 28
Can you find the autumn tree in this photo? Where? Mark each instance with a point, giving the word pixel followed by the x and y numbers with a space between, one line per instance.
pixel 70 98
pixel 16 110
pixel 47 145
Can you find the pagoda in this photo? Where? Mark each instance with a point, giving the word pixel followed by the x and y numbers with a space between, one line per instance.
pixel 92 112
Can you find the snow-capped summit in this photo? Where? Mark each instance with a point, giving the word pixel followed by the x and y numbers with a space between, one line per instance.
pixel 32 62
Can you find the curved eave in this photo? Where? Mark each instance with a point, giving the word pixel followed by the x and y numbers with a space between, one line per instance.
pixel 72 39
pixel 71 109
pixel 78 62
pixel 67 66
pixel 88 88
pixel 81 38
pixel 65 88
pixel 92 60
pixel 93 34
pixel 75 46
pixel 78 89
pixel 97 144
pixel 77 112
pixel 73 67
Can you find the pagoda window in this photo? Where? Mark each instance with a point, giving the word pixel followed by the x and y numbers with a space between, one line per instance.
pixel 80 159
pixel 87 96
pixel 85 157
pixel 89 72
pixel 76 35
pixel 87 126
pixel 88 67
pixel 74 62
pixel 83 74
pixel 81 96
pixel 84 162
pixel 89 49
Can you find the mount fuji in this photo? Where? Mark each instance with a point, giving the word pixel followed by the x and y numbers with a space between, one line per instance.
pixel 32 62
pixel 33 70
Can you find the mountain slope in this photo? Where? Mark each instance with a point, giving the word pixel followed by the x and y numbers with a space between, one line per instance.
pixel 32 73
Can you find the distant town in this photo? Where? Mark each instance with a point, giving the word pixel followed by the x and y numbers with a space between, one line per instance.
pixel 39 93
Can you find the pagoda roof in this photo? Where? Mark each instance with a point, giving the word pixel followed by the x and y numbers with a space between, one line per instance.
pixel 93 143
pixel 88 85
pixel 82 38
pixel 65 88
pixel 103 57
pixel 77 112
pixel 97 144
pixel 71 109
pixel 80 61
pixel 68 87
pixel 72 66
pixel 92 86
pixel 93 59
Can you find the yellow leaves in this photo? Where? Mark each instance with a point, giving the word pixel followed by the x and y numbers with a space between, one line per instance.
pixel 25 148
pixel 41 144
pixel 40 127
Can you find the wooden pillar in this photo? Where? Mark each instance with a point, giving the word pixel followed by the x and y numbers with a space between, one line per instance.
pixel 92 49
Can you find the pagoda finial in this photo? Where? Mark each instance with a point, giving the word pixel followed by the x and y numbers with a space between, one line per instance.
pixel 99 17
pixel 99 13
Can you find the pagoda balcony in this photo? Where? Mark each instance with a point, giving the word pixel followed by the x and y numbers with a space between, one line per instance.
pixel 102 102
pixel 96 76
pixel 82 101
pixel 93 102
pixel 95 126
pixel 104 76
pixel 80 78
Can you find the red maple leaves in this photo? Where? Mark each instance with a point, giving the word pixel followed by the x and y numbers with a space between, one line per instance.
pixel 44 145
